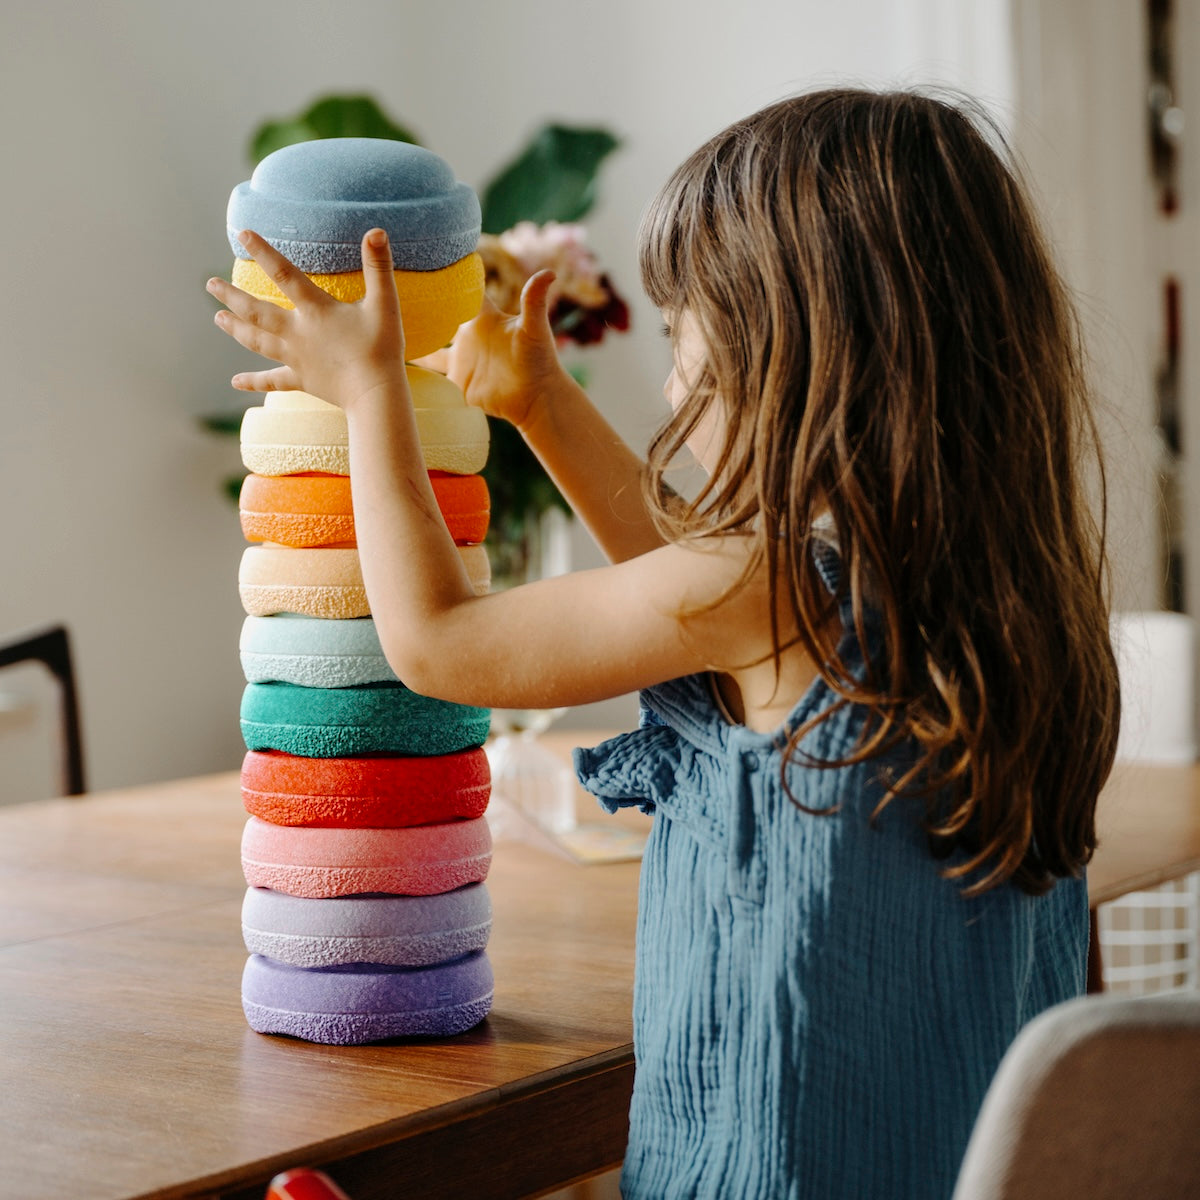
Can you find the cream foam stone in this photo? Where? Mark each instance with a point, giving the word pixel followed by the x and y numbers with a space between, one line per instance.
pixel 293 432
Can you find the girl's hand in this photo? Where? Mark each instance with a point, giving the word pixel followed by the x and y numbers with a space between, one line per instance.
pixel 340 352
pixel 504 363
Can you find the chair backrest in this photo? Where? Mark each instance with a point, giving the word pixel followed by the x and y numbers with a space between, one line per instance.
pixel 52 647
pixel 1097 1098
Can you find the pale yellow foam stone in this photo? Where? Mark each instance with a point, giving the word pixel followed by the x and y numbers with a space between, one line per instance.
pixel 294 432
pixel 325 582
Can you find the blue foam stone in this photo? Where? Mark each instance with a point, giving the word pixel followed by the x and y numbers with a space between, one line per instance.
pixel 313 201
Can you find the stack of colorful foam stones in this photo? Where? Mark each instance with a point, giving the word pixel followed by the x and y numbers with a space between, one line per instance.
pixel 366 847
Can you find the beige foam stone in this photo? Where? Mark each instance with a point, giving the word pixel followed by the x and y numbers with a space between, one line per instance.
pixel 322 582
pixel 294 432
pixel 316 583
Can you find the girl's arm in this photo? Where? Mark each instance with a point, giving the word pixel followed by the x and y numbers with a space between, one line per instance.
pixel 509 367
pixel 568 640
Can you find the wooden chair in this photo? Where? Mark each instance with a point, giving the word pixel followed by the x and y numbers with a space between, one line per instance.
pixel 52 648
pixel 1097 1099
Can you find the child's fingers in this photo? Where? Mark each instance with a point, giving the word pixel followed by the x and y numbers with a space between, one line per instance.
pixel 252 336
pixel 249 308
pixel 438 360
pixel 535 304
pixel 379 277
pixel 278 379
pixel 290 280
pixel 489 309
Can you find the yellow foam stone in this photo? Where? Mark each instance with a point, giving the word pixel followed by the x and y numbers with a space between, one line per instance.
pixel 433 304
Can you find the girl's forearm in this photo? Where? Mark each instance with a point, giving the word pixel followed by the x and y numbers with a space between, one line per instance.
pixel 594 469
pixel 411 568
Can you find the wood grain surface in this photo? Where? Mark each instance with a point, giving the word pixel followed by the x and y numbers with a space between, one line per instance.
pixel 1148 822
pixel 127 1067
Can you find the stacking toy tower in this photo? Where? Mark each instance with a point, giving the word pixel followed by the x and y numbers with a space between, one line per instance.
pixel 366 847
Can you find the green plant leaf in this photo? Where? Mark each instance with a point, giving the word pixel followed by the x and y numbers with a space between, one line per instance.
pixel 228 424
pixel 516 481
pixel 330 116
pixel 552 179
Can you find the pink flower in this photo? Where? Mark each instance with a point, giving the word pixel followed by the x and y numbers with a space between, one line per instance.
pixel 583 302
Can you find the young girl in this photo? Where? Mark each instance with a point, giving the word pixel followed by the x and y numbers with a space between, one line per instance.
pixel 879 697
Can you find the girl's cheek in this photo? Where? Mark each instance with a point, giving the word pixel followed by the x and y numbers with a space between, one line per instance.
pixel 671 390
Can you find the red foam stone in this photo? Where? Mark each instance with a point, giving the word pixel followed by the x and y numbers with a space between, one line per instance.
pixel 371 792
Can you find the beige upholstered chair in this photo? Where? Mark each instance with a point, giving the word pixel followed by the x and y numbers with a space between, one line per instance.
pixel 1097 1099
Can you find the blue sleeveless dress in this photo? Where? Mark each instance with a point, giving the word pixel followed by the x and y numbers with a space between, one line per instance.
pixel 817 1012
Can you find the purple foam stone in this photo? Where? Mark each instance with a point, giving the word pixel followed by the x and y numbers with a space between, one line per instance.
pixel 351 1004
pixel 400 931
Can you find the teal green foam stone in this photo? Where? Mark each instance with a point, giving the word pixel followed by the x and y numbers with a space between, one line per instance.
pixel 382 718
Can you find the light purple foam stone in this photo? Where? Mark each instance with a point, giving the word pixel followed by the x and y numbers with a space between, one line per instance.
pixel 399 931
pixel 355 1003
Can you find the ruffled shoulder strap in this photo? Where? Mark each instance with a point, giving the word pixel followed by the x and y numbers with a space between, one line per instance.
pixel 655 768
pixel 631 769
pixel 686 705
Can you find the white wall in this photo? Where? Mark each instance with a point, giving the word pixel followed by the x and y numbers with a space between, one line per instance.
pixel 126 125
pixel 1082 75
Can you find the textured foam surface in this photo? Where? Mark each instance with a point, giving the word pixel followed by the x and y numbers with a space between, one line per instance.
pixel 326 582
pixel 313 510
pixel 377 791
pixel 319 862
pixel 353 1004
pixel 297 510
pixel 398 931
pixel 377 718
pixel 464 503
pixel 315 200
pixel 312 651
pixel 433 304
pixel 293 432
pixel 323 582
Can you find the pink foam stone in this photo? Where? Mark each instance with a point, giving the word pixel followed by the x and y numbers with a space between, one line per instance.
pixel 420 860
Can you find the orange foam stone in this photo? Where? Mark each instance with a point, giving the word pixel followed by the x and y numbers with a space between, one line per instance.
pixel 464 503
pixel 297 510
pixel 312 510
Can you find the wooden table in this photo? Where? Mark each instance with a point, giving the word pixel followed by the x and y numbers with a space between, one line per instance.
pixel 127 1068
pixel 1148 822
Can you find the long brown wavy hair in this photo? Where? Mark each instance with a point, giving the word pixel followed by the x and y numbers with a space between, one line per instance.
pixel 897 355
